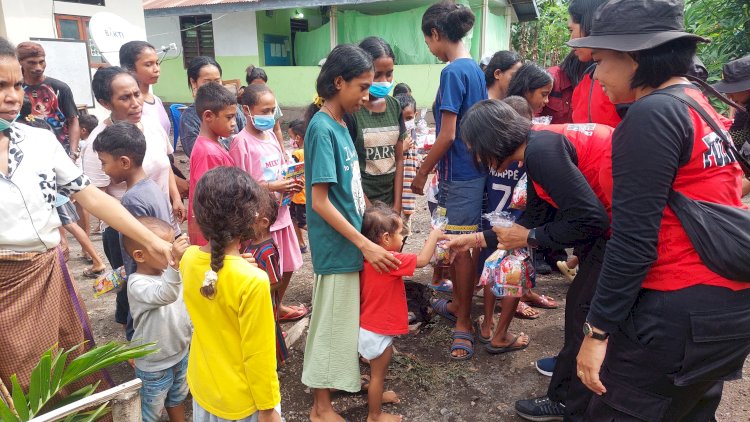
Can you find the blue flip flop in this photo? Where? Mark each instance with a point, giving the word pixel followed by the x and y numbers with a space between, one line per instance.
pixel 441 307
pixel 444 286
pixel 469 349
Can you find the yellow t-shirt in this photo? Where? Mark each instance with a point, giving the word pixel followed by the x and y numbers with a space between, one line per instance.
pixel 299 197
pixel 232 364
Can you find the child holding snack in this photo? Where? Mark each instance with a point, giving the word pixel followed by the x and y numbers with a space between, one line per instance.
pixel 257 151
pixel 383 309
pixel 159 316
pixel 267 256
pixel 297 129
pixel 411 159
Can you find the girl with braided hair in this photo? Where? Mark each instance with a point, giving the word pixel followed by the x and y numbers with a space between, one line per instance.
pixel 229 301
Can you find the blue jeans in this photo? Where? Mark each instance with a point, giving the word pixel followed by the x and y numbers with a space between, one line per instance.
pixel 162 388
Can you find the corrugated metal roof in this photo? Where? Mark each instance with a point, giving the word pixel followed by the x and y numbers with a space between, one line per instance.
pixel 168 4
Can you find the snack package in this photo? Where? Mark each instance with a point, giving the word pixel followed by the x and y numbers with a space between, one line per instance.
pixel 500 218
pixel 442 254
pixel 110 280
pixel 518 201
pixel 294 171
pixel 491 266
pixel 514 274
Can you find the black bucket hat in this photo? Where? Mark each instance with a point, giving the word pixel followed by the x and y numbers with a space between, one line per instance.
pixel 635 25
pixel 735 76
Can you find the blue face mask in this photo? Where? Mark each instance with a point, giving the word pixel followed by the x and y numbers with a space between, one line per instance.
pixel 264 123
pixel 4 124
pixel 380 89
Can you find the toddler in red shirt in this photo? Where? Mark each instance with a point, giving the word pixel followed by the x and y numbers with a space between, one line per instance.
pixel 383 311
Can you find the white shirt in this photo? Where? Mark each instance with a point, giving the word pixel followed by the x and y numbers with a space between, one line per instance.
pixel 155 162
pixel 38 168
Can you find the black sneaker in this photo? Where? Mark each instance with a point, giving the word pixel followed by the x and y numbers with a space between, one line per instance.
pixel 540 409
pixel 540 265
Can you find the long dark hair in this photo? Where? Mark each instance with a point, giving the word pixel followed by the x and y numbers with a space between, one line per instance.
pixel 377 48
pixel 582 13
pixel 502 61
pixel 253 72
pixel 493 131
pixel 130 51
pixel 195 66
pixel 450 19
pixel 528 78
pixel 345 60
pixel 226 203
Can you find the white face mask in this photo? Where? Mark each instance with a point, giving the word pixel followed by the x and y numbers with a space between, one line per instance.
pixel 410 124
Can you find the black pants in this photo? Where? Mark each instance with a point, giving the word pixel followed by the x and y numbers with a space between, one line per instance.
pixel 565 386
pixel 111 243
pixel 669 360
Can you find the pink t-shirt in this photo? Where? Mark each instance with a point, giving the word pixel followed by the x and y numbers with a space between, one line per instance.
pixel 263 160
pixel 206 155
pixel 157 111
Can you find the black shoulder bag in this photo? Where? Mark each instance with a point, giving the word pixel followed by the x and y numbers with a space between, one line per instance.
pixel 719 233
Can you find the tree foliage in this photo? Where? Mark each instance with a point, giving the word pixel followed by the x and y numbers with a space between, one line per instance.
pixel 725 22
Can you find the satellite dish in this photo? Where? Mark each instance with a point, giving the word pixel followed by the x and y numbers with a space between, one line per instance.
pixel 110 32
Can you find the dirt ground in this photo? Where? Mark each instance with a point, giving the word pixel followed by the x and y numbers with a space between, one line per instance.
pixel 431 386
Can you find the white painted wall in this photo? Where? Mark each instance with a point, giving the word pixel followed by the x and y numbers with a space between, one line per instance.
pixel 25 19
pixel 163 30
pixel 236 34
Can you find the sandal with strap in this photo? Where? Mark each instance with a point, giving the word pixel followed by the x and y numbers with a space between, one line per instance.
pixel 441 308
pixel 543 302
pixel 468 348
pixel 478 327
pixel 505 349
pixel 523 310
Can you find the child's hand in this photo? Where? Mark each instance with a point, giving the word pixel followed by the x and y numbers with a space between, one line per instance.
pixel 408 143
pixel 250 259
pixel 282 185
pixel 437 234
pixel 179 246
pixel 270 415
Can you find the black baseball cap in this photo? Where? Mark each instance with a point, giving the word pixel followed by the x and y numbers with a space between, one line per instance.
pixel 735 76
pixel 635 25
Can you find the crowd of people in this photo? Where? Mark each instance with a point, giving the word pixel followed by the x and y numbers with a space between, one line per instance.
pixel 589 156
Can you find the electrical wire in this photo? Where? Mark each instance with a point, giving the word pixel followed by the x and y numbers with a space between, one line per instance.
pixel 189 28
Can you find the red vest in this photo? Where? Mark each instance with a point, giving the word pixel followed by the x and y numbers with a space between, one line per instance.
pixel 560 99
pixel 708 176
pixel 591 104
pixel 593 145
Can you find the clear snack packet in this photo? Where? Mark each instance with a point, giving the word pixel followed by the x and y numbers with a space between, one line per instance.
pixel 520 192
pixel 500 218
pixel 442 254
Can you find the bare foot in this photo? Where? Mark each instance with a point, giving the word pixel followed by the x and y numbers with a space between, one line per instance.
pixel 487 327
pixel 384 417
pixel 511 339
pixel 325 416
pixel 390 397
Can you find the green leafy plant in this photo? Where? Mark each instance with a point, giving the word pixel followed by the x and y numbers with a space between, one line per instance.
pixel 51 375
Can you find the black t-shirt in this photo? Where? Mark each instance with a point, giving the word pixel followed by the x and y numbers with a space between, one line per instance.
pixel 52 101
pixel 551 161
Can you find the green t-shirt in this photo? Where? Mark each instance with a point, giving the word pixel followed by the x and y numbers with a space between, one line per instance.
pixel 375 136
pixel 330 158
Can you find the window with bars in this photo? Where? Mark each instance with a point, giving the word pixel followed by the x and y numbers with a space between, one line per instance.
pixel 197 33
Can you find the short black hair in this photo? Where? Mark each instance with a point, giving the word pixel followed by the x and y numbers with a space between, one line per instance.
pixel 214 97
pixel 377 48
pixel 155 225
pixel 130 51
pixel 88 122
pixel 502 61
pixel 378 220
pixel 656 65
pixel 298 126
pixel 252 94
pixel 450 19
pixel 406 101
pixel 101 84
pixel 529 77
pixel 268 207
pixel 7 49
pixel 493 131
pixel 196 64
pixel 252 73
pixel 520 105
pixel 401 88
pixel 122 139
